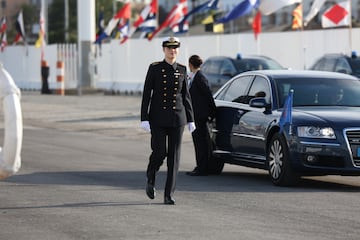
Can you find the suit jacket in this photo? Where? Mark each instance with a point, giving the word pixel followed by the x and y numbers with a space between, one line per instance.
pixel 202 99
pixel 166 101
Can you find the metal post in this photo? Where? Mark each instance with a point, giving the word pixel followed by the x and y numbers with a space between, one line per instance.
pixel 3 6
pixel 86 37
pixel 66 14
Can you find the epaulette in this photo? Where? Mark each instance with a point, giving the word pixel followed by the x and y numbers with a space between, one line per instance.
pixel 155 63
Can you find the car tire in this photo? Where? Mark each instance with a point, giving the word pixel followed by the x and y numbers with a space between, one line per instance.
pixel 279 167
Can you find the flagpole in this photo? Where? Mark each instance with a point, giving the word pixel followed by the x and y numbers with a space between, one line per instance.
pixel 302 33
pixel 350 27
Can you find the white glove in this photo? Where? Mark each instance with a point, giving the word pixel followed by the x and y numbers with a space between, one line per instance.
pixel 145 125
pixel 191 126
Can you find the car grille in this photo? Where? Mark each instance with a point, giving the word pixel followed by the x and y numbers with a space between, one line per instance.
pixel 353 138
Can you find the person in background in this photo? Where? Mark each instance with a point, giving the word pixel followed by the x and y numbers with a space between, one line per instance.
pixel 204 111
pixel 165 110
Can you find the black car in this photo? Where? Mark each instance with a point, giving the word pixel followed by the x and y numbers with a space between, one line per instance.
pixel 338 63
pixel 219 70
pixel 322 138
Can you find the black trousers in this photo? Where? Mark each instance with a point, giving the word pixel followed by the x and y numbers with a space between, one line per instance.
pixel 201 139
pixel 165 143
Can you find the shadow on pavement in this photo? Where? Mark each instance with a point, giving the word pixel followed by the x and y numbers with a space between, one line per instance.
pixel 226 182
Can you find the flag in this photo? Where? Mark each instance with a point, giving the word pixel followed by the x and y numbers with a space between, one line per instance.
pixel 315 8
pixel 269 6
pixel 297 17
pixel 124 30
pixel 206 6
pixel 3 25
pixel 241 9
pixel 100 26
pixel 40 41
pixel 211 26
pixel 286 115
pixel 147 18
pixel 20 28
pixel 149 9
pixel 176 13
pixel 218 28
pixel 3 42
pixel 337 15
pixel 149 25
pixel 256 25
pixel 123 13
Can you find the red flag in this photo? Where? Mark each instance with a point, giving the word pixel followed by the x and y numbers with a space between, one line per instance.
pixel 3 25
pixel 152 8
pixel 3 42
pixel 149 9
pixel 337 15
pixel 124 12
pixel 256 25
pixel 176 14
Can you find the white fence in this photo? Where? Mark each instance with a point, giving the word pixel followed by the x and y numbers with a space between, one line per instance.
pixel 123 67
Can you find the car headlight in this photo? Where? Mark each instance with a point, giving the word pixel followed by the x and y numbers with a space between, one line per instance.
pixel 316 132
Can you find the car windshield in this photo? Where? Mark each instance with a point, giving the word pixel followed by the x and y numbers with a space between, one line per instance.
pixel 319 91
pixel 355 65
pixel 249 64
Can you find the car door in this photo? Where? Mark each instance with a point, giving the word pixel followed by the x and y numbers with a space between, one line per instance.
pixel 250 130
pixel 230 104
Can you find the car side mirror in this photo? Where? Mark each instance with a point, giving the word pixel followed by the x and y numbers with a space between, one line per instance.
pixel 260 102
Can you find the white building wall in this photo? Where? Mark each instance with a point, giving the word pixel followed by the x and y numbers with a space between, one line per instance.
pixel 122 68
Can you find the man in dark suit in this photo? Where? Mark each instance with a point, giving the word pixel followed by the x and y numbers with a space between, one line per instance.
pixel 204 110
pixel 165 110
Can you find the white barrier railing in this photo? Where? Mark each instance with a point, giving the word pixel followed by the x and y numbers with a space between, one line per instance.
pixel 122 68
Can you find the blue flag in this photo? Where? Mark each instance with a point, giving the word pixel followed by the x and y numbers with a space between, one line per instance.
pixel 286 115
pixel 149 25
pixel 208 5
pixel 100 33
pixel 241 9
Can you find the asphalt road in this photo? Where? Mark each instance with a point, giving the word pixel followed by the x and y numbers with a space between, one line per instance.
pixel 83 177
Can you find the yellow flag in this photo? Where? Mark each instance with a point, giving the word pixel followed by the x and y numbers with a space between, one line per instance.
pixel 218 28
pixel 208 20
pixel 298 17
pixel 39 41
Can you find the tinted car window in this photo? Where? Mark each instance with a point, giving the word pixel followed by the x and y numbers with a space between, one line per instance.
pixel 355 65
pixel 342 66
pixel 256 64
pixel 329 64
pixel 212 66
pixel 318 92
pixel 236 92
pixel 219 69
pixel 227 68
pixel 260 88
pixel 338 63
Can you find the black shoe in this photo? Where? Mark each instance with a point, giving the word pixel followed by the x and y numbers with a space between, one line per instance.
pixel 169 201
pixel 150 191
pixel 196 173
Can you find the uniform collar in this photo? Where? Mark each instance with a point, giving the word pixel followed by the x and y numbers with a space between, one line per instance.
pixel 174 65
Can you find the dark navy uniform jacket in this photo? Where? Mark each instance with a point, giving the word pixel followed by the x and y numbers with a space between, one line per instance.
pixel 166 101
